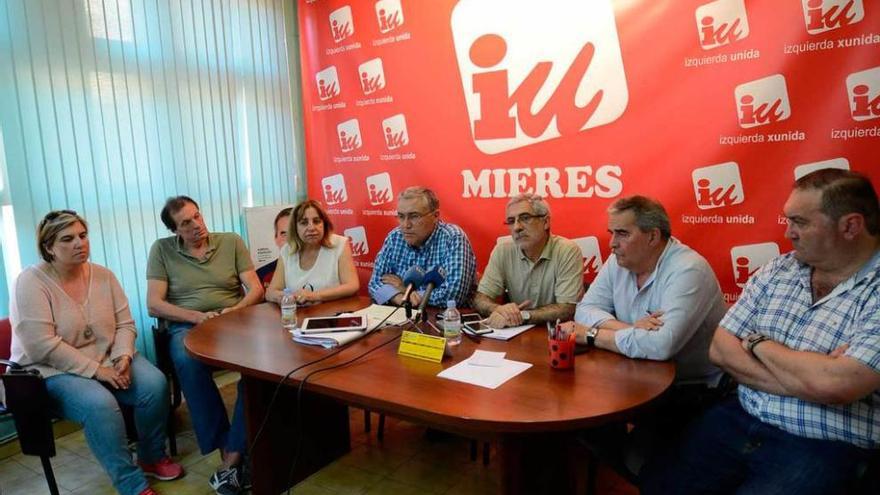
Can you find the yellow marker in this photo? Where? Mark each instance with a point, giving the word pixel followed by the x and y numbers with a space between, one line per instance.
pixel 421 346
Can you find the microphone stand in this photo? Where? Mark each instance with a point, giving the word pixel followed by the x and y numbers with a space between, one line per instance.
pixel 407 306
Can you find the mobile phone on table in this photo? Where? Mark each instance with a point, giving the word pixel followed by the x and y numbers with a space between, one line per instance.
pixel 471 317
pixel 478 327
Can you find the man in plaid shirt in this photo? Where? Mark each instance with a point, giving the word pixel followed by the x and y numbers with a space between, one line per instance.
pixel 423 240
pixel 803 341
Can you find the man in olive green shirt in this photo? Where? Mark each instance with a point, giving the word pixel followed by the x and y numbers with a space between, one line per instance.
pixel 541 273
pixel 191 277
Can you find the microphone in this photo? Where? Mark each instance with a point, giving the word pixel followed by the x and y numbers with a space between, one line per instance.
pixel 433 278
pixel 412 279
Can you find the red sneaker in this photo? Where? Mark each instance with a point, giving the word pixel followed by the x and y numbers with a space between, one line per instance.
pixel 149 491
pixel 165 469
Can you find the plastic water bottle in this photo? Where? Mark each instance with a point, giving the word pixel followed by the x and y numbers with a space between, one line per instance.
pixel 452 324
pixel 288 309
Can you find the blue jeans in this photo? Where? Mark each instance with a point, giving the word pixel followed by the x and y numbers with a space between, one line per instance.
pixel 96 407
pixel 727 450
pixel 206 408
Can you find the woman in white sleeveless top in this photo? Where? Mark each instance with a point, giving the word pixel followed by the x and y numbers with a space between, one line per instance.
pixel 316 263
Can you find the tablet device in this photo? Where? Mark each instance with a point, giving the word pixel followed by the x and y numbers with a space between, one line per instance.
pixel 329 324
pixel 478 327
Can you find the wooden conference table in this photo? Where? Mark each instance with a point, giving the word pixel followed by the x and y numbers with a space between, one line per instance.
pixel 537 404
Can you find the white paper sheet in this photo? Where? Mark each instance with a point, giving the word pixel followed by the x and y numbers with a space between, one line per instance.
pixel 484 376
pixel 487 358
pixel 506 333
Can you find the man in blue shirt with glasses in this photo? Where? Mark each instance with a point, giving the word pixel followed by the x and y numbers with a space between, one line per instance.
pixel 423 240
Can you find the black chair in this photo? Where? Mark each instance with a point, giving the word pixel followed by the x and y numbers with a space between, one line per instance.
pixel 368 426
pixel 28 402
pixel 162 342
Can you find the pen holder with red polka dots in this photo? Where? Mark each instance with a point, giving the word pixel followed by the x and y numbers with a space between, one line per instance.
pixel 562 353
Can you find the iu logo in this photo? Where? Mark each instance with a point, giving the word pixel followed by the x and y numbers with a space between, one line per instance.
pixel 761 102
pixel 372 76
pixel 394 129
pixel 328 83
pixel 389 14
pixel 379 189
pixel 349 133
pixel 802 170
pixel 825 15
pixel 357 236
pixel 592 256
pixel 341 24
pixel 864 94
pixel 718 185
pixel 721 22
pixel 519 92
pixel 334 189
pixel 747 259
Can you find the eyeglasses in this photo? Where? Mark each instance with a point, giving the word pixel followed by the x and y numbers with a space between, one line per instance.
pixel 52 215
pixel 412 217
pixel 521 218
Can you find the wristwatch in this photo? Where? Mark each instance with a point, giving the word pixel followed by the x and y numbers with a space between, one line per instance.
pixel 591 336
pixel 753 340
pixel 526 316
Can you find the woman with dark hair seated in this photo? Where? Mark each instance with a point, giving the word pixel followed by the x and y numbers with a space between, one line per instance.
pixel 315 263
pixel 71 322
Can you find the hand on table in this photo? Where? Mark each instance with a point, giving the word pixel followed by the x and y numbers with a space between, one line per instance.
pixel 305 296
pixel 507 315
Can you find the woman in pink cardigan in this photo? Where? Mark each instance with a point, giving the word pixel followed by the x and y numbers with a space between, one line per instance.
pixel 71 321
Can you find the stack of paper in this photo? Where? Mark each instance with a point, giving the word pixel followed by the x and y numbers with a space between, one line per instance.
pixel 327 340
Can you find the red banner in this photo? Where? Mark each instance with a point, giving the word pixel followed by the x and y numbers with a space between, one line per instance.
pixel 714 108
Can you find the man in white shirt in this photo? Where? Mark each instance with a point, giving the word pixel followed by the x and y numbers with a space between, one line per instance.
pixel 655 298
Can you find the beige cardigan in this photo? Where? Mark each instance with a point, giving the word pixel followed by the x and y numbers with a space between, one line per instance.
pixel 54 334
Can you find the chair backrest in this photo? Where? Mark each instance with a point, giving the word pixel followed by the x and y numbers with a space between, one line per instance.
pixel 28 401
pixel 5 341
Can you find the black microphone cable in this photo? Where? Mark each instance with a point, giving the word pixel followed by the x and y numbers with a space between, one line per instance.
pixel 294 370
pixel 302 383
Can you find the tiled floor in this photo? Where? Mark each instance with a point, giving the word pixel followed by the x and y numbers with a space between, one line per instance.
pixel 406 462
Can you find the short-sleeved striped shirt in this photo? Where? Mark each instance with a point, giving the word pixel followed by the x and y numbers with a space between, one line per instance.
pixel 778 303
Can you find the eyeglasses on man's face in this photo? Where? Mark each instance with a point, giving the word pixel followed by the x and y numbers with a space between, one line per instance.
pixel 412 217
pixel 522 218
